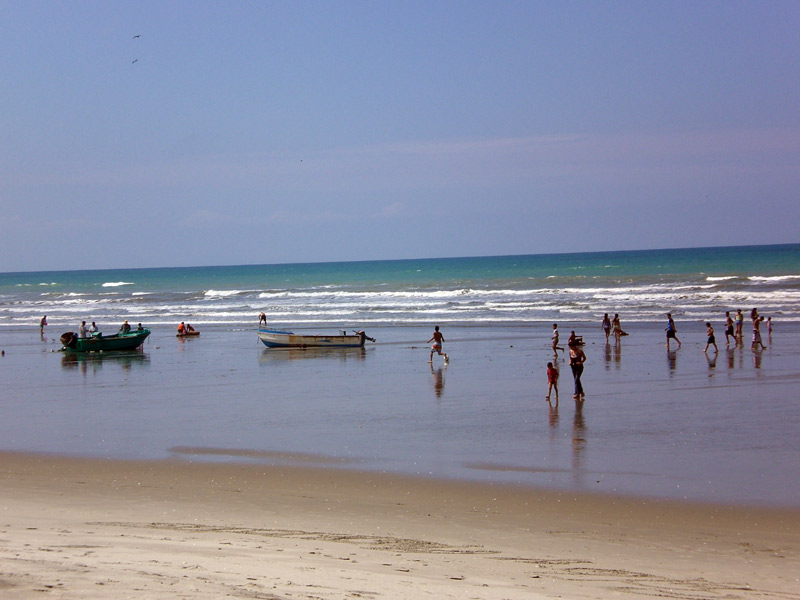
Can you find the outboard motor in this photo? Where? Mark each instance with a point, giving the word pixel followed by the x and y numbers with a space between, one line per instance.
pixel 69 339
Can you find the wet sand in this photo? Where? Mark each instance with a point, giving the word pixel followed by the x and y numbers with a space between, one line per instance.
pixel 92 528
pixel 681 425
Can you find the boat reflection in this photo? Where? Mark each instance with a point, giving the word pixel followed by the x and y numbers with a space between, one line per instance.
pixel 279 355
pixel 95 360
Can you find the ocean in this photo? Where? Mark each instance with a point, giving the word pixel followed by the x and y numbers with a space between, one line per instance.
pixel 693 283
pixel 716 427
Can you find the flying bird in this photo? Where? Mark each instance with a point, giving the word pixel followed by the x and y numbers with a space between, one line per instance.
pixel 135 60
pixel 138 35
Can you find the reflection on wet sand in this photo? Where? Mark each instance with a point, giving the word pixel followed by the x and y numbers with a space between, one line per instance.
pixel 278 355
pixel 438 381
pixel 578 440
pixel 731 356
pixel 552 414
pixel 757 359
pixel 711 357
pixel 672 361
pixel 85 361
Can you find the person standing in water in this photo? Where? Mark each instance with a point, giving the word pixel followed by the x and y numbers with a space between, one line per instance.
pixel 576 360
pixel 437 340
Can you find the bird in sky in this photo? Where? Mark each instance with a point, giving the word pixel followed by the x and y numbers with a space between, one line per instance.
pixel 135 60
pixel 138 35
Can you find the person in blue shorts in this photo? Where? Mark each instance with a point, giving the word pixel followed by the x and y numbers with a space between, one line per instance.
pixel 672 331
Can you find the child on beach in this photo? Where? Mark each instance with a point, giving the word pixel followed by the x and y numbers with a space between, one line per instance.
pixel 710 339
pixel 552 381
pixel 556 347
pixel 437 340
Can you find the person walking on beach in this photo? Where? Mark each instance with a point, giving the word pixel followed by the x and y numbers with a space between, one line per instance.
pixel 576 360
pixel 437 340
pixel 616 326
pixel 672 331
pixel 757 344
pixel 556 347
pixel 729 329
pixel 606 325
pixel 42 324
pixel 552 381
pixel 710 339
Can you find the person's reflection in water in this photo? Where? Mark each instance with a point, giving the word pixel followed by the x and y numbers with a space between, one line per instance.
pixel 438 381
pixel 712 363
pixel 607 355
pixel 578 438
pixel 672 361
pixel 731 355
pixel 618 355
pixel 757 360
pixel 552 414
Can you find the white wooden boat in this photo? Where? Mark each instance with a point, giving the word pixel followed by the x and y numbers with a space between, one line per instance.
pixel 273 338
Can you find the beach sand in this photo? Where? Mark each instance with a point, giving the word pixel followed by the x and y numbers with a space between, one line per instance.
pixel 89 528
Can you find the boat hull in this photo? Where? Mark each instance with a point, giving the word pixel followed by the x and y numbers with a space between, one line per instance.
pixel 106 343
pixel 286 339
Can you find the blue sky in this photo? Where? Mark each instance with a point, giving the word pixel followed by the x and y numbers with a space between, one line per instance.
pixel 268 132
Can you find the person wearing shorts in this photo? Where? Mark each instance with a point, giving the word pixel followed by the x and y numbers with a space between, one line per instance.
pixel 672 331
pixel 437 340
pixel 729 329
pixel 710 339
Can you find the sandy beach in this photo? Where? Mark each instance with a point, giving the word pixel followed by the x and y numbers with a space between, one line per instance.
pixel 90 528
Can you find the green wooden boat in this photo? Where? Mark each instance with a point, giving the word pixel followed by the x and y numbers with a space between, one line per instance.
pixel 105 343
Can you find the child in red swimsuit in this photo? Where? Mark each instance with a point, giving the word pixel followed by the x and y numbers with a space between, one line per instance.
pixel 552 381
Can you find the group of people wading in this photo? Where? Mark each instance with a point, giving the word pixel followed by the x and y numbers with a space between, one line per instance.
pixel 733 330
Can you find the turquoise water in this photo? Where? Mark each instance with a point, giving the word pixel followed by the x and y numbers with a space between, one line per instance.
pixel 695 284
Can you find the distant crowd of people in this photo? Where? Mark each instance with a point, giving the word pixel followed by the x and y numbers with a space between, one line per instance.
pixel 734 326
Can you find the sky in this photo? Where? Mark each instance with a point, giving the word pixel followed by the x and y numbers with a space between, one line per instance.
pixel 151 133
